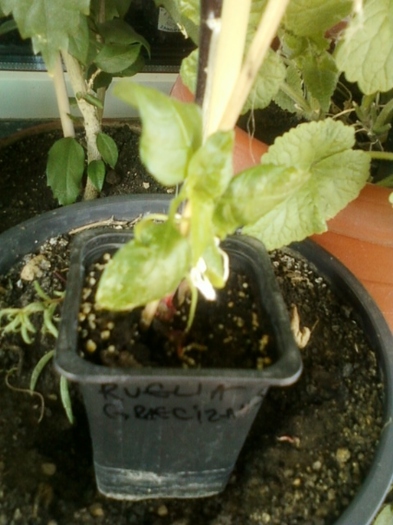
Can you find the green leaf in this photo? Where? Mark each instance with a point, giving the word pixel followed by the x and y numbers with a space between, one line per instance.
pixel 102 80
pixel 188 70
pixel 171 131
pixel 39 368
pixel 270 77
pixel 96 173
pixel 210 169
pixel 108 149
pixel 320 75
pixel 385 516
pixel 64 170
pixel 256 11
pixel 8 26
pixel 140 273
pixel 254 193
pixel 336 175
pixel 366 52
pixel 113 8
pixel 6 7
pixel 135 67
pixel 314 17
pixel 78 45
pixel 311 76
pixel 121 52
pixel 114 58
pixel 293 85
pixel 49 23
pixel 91 99
pixel 119 32
pixel 66 399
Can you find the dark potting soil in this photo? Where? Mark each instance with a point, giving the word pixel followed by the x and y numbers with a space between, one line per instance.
pixel 23 189
pixel 308 451
pixel 230 332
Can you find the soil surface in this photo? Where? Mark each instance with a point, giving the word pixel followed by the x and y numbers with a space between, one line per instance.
pixel 23 188
pixel 230 332
pixel 308 451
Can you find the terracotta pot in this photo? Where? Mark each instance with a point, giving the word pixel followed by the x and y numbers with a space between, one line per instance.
pixel 361 236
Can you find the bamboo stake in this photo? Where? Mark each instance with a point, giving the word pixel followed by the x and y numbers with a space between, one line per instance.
pixel 62 99
pixel 260 45
pixel 225 59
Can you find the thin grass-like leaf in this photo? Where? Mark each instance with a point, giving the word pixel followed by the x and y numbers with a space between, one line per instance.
pixel 66 399
pixel 39 368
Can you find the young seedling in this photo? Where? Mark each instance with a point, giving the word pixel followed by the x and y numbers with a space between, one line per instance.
pixel 19 320
pixel 299 184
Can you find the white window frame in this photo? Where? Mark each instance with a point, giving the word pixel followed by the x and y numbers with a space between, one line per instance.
pixel 30 94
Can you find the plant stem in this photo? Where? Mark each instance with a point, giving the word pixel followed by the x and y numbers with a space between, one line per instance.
pixel 266 31
pixel 296 98
pixel 91 121
pixel 381 155
pixel 62 99
pixel 385 115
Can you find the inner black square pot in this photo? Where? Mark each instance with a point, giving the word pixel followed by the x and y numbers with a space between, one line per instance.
pixel 172 432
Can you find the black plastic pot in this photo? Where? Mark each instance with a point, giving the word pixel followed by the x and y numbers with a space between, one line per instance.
pixel 28 236
pixel 176 432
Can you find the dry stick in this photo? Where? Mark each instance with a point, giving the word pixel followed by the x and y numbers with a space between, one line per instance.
pixel 62 98
pixel 26 391
pixel 260 45
pixel 208 9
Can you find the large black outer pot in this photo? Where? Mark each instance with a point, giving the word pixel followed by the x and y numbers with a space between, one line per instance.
pixel 27 236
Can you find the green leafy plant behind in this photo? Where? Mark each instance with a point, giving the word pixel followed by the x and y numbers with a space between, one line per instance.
pixel 366 51
pixel 95 44
pixel 319 42
pixel 336 175
pixel 50 25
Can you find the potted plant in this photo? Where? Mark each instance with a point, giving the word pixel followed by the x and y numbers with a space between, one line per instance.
pixel 177 247
pixel 305 77
pixel 215 204
pixel 94 43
